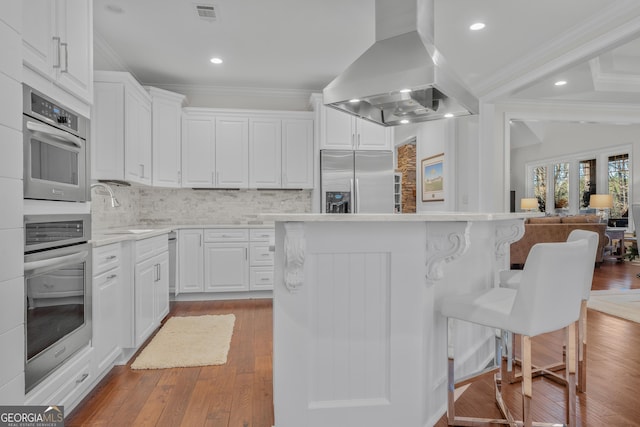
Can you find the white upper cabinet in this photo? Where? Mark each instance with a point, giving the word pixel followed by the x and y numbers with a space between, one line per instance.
pixel 342 131
pixel 198 150
pixel 57 41
pixel 247 149
pixel 166 112
pixel 265 153
pixel 232 152
pixel 297 153
pixel 121 129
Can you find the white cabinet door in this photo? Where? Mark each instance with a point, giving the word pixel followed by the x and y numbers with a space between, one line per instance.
pixel 161 289
pixel 107 130
pixel 226 267
pixel 38 43
pixel 337 131
pixel 198 151
pixel 265 153
pixel 121 129
pixel 371 136
pixel 297 153
pixel 166 110
pixel 57 40
pixel 106 317
pixel 137 130
pixel 342 131
pixel 75 29
pixel 232 152
pixel 190 261
pixel 145 278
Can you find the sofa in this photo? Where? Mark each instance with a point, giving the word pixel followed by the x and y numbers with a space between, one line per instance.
pixel 556 229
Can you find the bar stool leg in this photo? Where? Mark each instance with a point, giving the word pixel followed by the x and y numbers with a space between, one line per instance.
pixel 527 387
pixel 451 386
pixel 571 374
pixel 582 349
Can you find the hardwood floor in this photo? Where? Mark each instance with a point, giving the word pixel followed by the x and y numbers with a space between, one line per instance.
pixel 239 393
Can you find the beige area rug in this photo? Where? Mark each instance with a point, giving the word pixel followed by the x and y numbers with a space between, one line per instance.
pixel 619 303
pixel 188 341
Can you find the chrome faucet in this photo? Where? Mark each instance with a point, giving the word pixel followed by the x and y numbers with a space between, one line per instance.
pixel 114 202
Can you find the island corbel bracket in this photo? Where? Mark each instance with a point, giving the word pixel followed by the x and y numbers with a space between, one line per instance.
pixel 445 243
pixel 507 232
pixel 294 253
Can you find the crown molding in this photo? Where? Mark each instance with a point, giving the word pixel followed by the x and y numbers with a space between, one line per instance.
pixel 236 90
pixel 604 81
pixel 562 53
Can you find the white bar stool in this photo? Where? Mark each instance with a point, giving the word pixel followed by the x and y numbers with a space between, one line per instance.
pixel 548 299
pixel 511 279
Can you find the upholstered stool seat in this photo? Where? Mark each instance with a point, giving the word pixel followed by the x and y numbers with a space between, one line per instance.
pixel 548 299
pixel 511 279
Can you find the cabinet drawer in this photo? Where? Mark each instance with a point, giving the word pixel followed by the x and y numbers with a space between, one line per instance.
pixel 261 278
pixel 260 254
pixel 149 247
pixel 65 384
pixel 226 235
pixel 106 257
pixel 262 235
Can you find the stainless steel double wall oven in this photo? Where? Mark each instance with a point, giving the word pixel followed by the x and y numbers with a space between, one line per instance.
pixel 57 252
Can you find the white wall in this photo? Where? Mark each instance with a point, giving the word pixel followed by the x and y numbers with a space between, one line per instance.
pixel 457 139
pixel 11 214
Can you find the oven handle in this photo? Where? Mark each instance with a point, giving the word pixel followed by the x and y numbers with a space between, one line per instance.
pixel 55 133
pixel 57 261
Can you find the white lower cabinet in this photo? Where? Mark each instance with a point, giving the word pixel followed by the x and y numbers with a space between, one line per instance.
pixel 224 260
pixel 108 281
pixel 151 283
pixel 226 267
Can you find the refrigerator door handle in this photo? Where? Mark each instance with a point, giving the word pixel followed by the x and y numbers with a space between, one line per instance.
pixel 354 197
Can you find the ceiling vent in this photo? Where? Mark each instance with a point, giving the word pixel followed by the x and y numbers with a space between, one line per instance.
pixel 208 12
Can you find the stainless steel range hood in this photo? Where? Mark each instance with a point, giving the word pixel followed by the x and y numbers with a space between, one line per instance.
pixel 401 78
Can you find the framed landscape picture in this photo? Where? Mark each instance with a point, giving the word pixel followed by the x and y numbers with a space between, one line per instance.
pixel 432 179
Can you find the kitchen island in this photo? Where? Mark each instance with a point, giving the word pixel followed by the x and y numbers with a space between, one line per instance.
pixel 358 340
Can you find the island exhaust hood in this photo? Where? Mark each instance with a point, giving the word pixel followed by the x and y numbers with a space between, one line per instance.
pixel 401 78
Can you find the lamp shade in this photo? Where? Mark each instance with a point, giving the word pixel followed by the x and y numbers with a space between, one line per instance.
pixel 601 201
pixel 529 203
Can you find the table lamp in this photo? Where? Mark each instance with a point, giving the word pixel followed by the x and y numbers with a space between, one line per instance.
pixel 601 202
pixel 529 204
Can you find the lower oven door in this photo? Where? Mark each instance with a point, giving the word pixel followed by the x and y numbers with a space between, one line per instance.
pixel 55 163
pixel 58 308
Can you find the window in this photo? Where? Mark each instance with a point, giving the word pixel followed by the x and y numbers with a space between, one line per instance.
pixel 564 185
pixel 587 172
pixel 540 186
pixel 561 186
pixel 619 185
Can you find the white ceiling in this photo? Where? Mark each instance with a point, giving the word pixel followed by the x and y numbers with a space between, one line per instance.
pixel 301 45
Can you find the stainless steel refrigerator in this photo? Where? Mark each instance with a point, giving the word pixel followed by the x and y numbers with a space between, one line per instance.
pixel 356 181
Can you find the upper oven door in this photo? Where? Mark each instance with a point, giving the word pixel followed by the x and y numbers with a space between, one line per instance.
pixel 54 163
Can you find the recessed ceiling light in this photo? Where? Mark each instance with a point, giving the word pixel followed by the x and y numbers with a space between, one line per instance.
pixel 477 26
pixel 216 60
pixel 404 121
pixel 405 90
pixel 353 101
pixel 448 115
pixel 560 83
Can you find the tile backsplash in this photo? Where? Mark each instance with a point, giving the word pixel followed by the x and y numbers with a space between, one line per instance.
pixel 162 206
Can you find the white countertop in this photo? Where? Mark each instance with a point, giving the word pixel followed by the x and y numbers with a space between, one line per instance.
pixel 419 217
pixel 102 237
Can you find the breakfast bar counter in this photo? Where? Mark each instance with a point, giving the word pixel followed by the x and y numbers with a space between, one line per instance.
pixel 358 339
